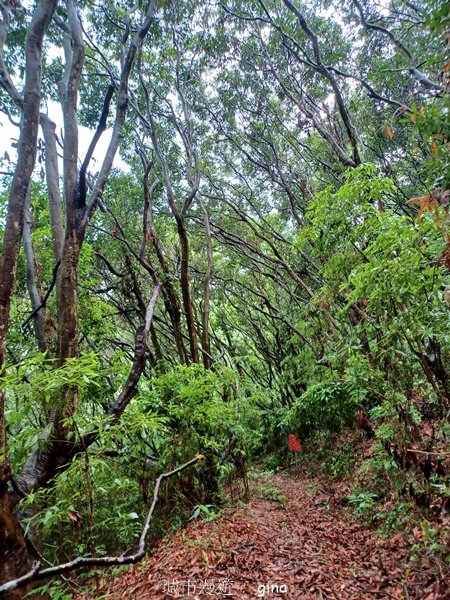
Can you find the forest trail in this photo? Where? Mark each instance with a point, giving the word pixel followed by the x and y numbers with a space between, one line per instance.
pixel 298 545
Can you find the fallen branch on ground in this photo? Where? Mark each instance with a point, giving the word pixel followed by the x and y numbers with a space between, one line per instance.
pixel 36 573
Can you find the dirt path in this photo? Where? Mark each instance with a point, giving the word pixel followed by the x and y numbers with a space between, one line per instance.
pixel 299 548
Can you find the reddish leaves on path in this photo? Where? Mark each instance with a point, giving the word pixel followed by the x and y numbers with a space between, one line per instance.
pixel 300 548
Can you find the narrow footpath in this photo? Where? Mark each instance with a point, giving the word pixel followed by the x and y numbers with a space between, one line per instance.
pixel 299 545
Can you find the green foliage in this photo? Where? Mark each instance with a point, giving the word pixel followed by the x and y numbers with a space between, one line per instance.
pixel 327 454
pixel 265 490
pixel 196 407
pixel 34 387
pixel 433 540
pixel 364 504
pixel 396 519
pixel 206 512
pixel 55 590
pixel 328 406
pixel 273 463
pixel 62 514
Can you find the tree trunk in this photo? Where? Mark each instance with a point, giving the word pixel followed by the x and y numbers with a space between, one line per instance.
pixel 185 289
pixel 14 556
pixel 52 181
pixel 36 301
pixel 207 359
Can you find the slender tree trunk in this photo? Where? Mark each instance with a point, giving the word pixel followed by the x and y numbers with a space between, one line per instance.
pixel 172 305
pixel 170 297
pixel 53 192
pixel 207 291
pixel 186 289
pixel 36 301
pixel 52 180
pixel 67 321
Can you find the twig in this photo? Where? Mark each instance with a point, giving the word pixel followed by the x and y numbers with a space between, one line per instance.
pixel 109 265
pixel 36 573
pixel 425 452
pixel 405 589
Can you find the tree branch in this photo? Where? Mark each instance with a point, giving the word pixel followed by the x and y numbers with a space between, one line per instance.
pixel 100 129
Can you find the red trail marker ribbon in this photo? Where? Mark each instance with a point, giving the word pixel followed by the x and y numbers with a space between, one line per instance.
pixel 294 443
